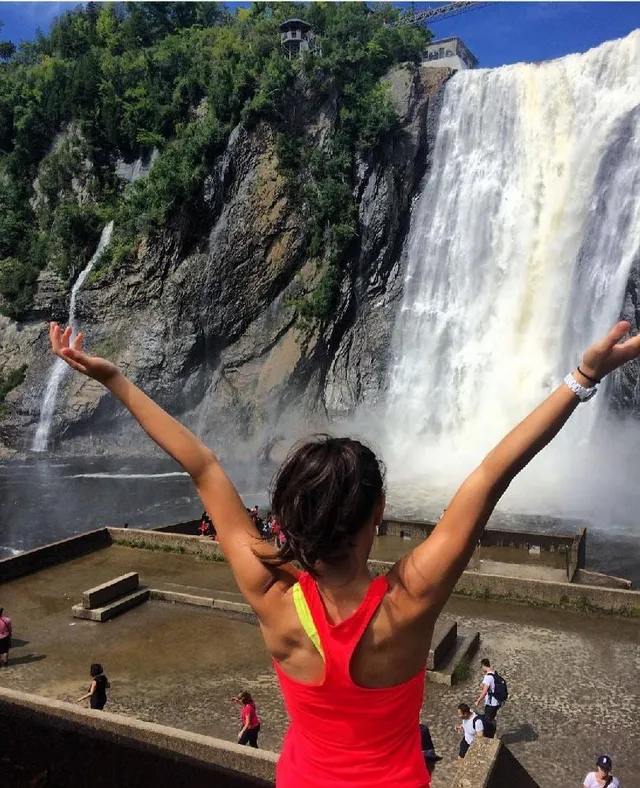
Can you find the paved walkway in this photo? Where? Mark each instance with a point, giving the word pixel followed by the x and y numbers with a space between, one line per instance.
pixel 573 679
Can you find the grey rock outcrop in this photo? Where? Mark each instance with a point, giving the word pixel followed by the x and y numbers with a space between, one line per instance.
pixel 201 319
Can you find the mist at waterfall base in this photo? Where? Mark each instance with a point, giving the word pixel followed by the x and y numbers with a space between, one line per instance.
pixel 519 251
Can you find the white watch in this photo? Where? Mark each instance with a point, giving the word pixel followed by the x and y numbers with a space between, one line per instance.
pixel 581 392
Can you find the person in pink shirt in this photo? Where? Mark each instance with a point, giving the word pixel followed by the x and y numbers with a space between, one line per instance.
pixel 250 720
pixel 5 638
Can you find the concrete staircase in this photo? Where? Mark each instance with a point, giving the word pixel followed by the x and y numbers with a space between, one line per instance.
pixel 112 598
pixel 449 651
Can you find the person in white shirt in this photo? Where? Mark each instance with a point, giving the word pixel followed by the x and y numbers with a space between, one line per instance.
pixel 491 703
pixel 471 726
pixel 602 777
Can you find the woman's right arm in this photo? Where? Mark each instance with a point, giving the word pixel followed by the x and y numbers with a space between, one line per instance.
pixel 92 689
pixel 429 573
pixel 236 531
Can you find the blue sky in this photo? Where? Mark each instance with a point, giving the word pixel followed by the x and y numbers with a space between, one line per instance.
pixel 499 33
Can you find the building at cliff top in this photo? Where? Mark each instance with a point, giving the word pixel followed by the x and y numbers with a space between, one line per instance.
pixel 297 38
pixel 451 53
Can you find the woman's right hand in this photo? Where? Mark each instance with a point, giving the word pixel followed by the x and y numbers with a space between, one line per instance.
pixel 92 366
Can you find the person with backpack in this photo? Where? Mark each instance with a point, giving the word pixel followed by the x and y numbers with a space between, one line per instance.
pixel 350 650
pixel 494 691
pixel 472 725
pixel 602 777
pixel 6 631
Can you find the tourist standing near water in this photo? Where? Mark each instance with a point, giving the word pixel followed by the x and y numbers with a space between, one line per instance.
pixel 250 720
pixel 6 630
pixel 350 651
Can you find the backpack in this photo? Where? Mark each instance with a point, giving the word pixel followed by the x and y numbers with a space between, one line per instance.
pixel 488 726
pixel 500 689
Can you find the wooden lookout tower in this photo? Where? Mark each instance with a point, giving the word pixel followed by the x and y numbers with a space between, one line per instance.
pixel 297 38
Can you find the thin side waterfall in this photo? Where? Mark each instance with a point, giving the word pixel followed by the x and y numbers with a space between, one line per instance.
pixel 519 252
pixel 59 369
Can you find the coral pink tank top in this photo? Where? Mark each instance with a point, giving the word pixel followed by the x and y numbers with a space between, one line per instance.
pixel 343 735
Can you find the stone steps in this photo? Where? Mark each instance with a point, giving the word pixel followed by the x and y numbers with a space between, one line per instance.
pixel 110 599
pixel 465 648
pixel 444 638
pixel 114 608
pixel 102 594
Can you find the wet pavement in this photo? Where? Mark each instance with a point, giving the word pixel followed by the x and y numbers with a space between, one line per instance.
pixel 573 679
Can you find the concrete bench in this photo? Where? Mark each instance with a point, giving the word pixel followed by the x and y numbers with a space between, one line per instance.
pixel 110 599
pixel 114 607
pixel 107 592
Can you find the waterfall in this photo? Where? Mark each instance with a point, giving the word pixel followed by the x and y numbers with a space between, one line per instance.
pixel 59 368
pixel 519 250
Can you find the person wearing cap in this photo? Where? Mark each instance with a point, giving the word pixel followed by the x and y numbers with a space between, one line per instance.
pixel 602 777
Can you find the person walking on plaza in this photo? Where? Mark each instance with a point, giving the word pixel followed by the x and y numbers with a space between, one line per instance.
pixel 349 650
pixel 470 726
pixel 602 777
pixel 250 720
pixel 6 630
pixel 98 690
pixel 492 692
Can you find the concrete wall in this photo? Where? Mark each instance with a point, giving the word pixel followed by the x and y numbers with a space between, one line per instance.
pixel 476 769
pixel 490 764
pixel 570 596
pixel 187 528
pixel 485 586
pixel 203 546
pixel 52 554
pixel 69 747
pixel 496 537
pixel 588 578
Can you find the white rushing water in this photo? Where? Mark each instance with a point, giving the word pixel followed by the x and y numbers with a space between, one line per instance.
pixel 520 247
pixel 59 369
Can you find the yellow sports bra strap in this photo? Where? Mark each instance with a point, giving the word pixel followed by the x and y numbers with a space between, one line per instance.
pixel 304 614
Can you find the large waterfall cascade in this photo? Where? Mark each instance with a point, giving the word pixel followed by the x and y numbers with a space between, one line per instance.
pixel 59 368
pixel 519 251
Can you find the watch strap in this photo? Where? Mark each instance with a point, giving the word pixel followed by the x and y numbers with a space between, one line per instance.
pixel 582 393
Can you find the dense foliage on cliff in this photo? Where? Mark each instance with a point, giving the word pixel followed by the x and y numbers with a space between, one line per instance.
pixel 121 79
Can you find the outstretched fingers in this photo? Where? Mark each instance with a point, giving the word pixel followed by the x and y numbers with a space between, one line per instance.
pixel 628 350
pixel 618 332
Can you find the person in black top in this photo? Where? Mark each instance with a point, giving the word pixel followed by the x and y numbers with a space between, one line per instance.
pixel 98 690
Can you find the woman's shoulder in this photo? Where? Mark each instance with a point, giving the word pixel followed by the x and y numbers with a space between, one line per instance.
pixel 590 780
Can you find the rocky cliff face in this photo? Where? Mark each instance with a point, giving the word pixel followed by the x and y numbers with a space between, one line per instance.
pixel 204 326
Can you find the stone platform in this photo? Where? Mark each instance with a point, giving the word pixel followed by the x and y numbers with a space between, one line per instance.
pixel 178 665
pixel 111 598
